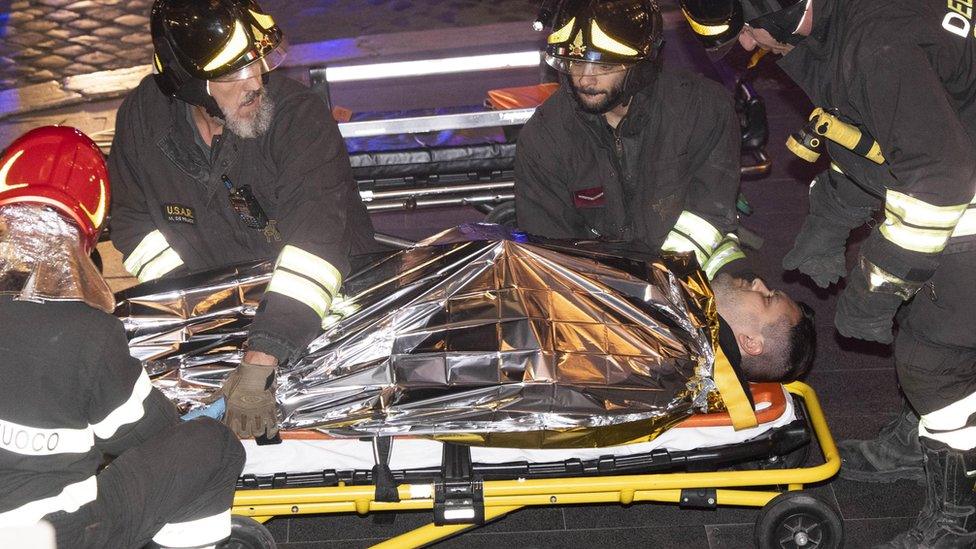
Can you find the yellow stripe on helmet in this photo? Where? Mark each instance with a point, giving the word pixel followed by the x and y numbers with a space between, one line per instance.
pixel 705 30
pixel 606 42
pixel 562 34
pixel 235 46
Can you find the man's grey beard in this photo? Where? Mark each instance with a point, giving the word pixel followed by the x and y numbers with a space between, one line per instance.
pixel 256 125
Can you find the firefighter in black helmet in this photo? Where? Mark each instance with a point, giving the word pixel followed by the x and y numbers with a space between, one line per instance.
pixel 623 150
pixel 217 161
pixel 895 91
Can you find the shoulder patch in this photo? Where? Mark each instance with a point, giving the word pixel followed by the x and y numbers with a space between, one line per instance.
pixel 178 213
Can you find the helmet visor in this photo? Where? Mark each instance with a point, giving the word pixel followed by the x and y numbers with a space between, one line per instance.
pixel 582 67
pixel 262 65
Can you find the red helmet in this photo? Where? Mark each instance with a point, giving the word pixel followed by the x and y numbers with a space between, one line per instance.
pixel 60 167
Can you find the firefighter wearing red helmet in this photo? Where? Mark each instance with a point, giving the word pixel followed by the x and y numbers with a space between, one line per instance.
pixel 624 150
pixel 216 161
pixel 895 95
pixel 72 392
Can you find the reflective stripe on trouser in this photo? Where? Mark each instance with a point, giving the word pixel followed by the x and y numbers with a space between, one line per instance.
pixel 152 258
pixel 307 278
pixel 935 351
pixel 195 533
pixel 691 233
pixel 69 500
pixel 954 425
pixel 918 226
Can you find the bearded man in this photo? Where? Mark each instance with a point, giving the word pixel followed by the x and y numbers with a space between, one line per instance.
pixel 217 161
pixel 625 151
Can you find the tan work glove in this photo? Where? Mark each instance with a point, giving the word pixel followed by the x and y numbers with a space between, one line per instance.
pixel 249 392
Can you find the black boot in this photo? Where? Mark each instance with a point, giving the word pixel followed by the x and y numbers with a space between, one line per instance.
pixel 893 455
pixel 948 519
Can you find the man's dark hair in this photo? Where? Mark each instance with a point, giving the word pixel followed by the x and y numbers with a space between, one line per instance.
pixel 789 352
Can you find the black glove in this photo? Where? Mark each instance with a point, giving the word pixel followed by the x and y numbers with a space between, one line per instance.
pixel 837 206
pixel 865 314
pixel 818 251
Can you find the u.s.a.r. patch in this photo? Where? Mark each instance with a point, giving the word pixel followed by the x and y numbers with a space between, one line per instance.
pixel 177 213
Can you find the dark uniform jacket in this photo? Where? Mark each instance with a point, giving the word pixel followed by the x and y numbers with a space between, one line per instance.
pixel 904 71
pixel 69 391
pixel 676 151
pixel 171 212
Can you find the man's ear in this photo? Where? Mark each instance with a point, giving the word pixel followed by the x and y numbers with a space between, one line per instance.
pixel 750 344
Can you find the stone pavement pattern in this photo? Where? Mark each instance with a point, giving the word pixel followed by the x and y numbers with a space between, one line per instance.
pixel 44 40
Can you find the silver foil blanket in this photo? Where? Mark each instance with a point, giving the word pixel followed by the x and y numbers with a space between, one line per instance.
pixel 477 336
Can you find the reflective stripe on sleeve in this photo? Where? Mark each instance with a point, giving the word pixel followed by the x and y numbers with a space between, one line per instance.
pixel 72 497
pixel 306 278
pixel 967 223
pixel 916 225
pixel 152 258
pixel 949 424
pixel 130 411
pixel 693 233
pixel 727 252
pixel 195 533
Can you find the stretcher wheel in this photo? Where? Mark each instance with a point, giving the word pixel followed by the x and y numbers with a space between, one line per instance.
pixel 503 214
pixel 247 533
pixel 798 520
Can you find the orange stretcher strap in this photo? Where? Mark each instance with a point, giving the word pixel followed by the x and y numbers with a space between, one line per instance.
pixel 523 97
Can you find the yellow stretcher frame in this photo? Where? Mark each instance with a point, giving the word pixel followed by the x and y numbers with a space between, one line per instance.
pixel 502 497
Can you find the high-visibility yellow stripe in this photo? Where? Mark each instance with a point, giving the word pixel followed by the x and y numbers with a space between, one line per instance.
pixel 967 224
pixel 157 268
pixel 920 213
pixel 235 46
pixel 606 42
pixel 563 33
pixel 702 29
pixel 677 242
pixel 727 252
pixel 312 266
pixel 701 231
pixel 301 289
pixel 929 241
pixel 152 258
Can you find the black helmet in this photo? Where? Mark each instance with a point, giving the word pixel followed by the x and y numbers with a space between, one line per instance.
pixel 604 31
pixel 717 23
pixel 611 35
pixel 200 40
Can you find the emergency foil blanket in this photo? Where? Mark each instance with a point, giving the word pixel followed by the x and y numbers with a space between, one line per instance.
pixel 477 336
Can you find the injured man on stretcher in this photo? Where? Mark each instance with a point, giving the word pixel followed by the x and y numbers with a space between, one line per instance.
pixel 490 338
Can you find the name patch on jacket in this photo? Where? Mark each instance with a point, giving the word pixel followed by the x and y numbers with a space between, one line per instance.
pixel 589 198
pixel 176 213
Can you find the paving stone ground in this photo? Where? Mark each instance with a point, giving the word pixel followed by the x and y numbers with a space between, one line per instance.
pixel 43 40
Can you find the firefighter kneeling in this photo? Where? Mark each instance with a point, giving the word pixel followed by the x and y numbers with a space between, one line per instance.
pixel 71 392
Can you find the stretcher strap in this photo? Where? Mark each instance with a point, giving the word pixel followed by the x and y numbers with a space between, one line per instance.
pixel 733 393
pixel 386 487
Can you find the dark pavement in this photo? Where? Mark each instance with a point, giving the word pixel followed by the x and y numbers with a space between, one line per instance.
pixel 855 382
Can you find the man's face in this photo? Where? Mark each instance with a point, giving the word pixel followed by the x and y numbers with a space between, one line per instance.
pixel 749 306
pixel 245 103
pixel 597 87
pixel 750 38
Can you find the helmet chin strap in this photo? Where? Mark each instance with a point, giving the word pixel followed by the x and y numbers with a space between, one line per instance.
pixel 197 92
